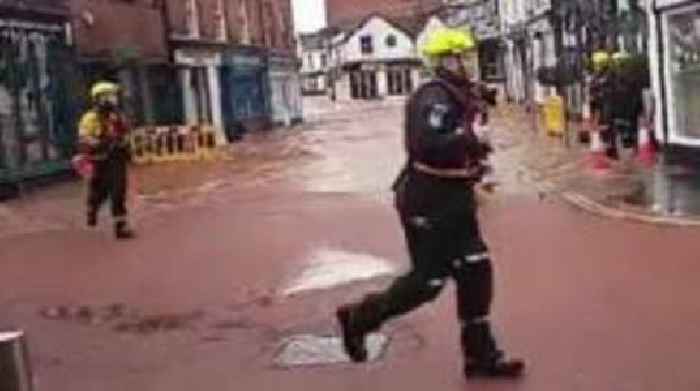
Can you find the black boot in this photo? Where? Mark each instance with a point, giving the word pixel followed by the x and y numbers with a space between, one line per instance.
pixel 353 336
pixel 482 358
pixel 122 231
pixel 495 367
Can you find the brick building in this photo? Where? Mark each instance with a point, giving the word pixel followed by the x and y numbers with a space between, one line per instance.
pixel 126 42
pixel 344 12
pixel 229 64
pixel 104 27
pixel 198 35
pixel 223 48
pixel 283 66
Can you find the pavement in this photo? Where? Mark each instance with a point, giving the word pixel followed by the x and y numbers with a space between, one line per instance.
pixel 241 261
pixel 666 193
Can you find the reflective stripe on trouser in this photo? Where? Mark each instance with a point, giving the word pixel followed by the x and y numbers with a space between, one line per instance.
pixel 444 241
pixel 432 266
pixel 474 297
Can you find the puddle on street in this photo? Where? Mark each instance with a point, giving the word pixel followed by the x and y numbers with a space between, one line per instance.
pixel 329 268
pixel 669 191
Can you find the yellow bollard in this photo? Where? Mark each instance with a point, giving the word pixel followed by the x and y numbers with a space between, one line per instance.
pixel 554 116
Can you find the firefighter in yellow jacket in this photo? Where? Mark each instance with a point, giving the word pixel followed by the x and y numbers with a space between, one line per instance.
pixel 104 138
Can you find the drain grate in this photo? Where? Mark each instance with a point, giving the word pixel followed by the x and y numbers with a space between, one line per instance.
pixel 313 350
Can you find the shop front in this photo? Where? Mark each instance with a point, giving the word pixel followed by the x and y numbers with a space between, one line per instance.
pixel 200 85
pixel 285 90
pixel 37 103
pixel 677 81
pixel 245 91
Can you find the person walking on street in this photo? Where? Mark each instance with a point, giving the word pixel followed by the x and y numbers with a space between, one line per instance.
pixel 435 199
pixel 104 139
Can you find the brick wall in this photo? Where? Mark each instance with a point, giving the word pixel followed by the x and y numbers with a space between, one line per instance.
pixel 101 26
pixel 177 17
pixel 180 20
pixel 342 12
pixel 208 22
pixel 284 23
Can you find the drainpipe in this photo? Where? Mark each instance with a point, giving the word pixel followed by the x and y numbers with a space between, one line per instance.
pixel 167 29
pixel 662 79
pixel 557 23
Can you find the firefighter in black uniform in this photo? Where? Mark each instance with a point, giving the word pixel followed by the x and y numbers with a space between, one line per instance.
pixel 625 101
pixel 104 139
pixel 600 88
pixel 436 203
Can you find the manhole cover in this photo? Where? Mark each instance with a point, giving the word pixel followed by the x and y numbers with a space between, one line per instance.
pixel 312 350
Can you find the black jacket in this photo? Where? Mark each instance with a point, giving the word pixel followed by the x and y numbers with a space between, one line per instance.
pixel 438 125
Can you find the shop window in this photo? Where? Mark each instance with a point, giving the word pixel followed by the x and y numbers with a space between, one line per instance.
pixel 192 10
pixel 391 41
pixel 399 81
pixel 366 46
pixel 312 84
pixel 683 58
pixel 491 66
pixel 199 84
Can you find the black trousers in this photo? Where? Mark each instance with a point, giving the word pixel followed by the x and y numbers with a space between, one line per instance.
pixel 110 182
pixel 444 242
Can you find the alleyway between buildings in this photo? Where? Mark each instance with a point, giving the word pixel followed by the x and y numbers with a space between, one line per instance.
pixel 240 256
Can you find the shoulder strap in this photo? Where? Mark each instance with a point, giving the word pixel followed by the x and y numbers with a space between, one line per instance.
pixel 459 95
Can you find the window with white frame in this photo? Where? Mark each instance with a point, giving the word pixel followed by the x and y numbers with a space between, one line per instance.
pixel 366 46
pixel 683 72
pixel 192 10
pixel 220 20
pixel 391 41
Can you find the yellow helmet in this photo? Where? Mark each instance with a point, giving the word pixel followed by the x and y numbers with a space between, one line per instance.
pixel 601 58
pixel 446 42
pixel 620 57
pixel 103 87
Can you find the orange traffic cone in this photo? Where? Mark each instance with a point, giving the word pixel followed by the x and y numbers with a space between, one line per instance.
pixel 646 155
pixel 598 160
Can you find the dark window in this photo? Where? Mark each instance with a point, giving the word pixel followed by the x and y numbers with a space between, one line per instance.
pixel 490 62
pixel 391 41
pixel 324 60
pixel 366 44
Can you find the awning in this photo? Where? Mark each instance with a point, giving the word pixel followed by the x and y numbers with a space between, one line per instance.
pixel 665 4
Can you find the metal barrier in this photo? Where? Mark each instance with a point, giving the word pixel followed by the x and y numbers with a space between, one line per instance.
pixel 172 143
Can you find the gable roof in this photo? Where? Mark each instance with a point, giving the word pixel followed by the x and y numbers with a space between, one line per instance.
pixel 409 25
pixel 344 12
pixel 311 41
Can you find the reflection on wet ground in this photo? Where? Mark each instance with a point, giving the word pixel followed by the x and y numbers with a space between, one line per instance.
pixel 671 190
pixel 328 268
pixel 356 149
pixel 312 350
